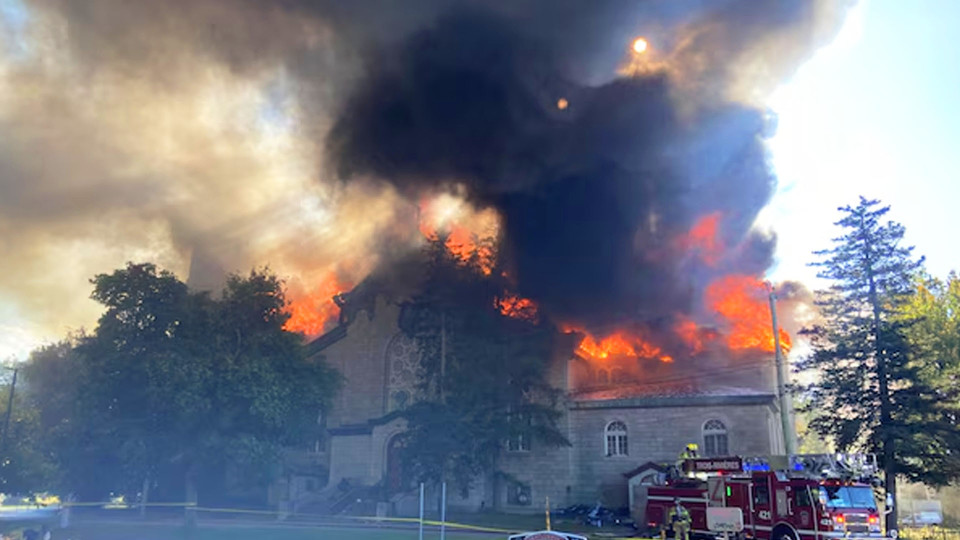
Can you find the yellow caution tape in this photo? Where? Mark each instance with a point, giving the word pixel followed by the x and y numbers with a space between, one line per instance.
pixel 452 525
pixel 449 524
pixel 432 523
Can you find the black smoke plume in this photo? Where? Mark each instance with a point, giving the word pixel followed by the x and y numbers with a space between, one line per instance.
pixel 195 130
pixel 594 197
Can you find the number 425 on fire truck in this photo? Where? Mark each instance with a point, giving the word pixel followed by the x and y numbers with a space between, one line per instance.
pixel 797 497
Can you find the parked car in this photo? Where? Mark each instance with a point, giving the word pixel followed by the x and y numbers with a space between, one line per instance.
pixel 924 519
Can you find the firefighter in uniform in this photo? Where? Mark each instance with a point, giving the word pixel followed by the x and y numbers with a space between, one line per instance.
pixel 689 452
pixel 678 519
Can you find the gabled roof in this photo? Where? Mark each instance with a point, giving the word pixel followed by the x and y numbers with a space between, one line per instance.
pixel 395 287
pixel 645 467
pixel 360 298
pixel 325 340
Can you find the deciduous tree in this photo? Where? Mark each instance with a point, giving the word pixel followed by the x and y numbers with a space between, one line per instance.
pixel 177 385
pixel 933 332
pixel 24 466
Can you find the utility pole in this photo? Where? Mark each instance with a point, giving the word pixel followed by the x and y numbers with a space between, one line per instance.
pixel 786 407
pixel 6 419
pixel 420 536
pixel 443 352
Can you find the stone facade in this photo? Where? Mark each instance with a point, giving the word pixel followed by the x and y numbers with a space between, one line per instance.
pixel 379 366
pixel 657 429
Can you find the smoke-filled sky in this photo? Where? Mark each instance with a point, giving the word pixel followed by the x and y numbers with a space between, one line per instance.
pixel 197 134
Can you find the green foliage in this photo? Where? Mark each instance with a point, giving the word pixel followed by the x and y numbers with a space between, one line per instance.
pixel 81 445
pixel 870 393
pixel 933 312
pixel 934 309
pixel 484 375
pixel 173 383
pixel 808 440
pixel 24 467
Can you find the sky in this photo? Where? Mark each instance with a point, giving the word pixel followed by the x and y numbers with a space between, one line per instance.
pixel 875 113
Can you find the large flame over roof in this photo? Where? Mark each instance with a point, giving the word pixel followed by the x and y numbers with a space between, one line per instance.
pixel 741 300
pixel 312 312
pixel 734 311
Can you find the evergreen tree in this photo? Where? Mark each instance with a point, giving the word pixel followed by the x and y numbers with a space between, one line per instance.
pixel 869 394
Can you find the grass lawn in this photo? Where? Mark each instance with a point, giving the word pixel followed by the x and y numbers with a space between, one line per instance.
pixel 226 530
pixel 518 522
pixel 235 532
pixel 531 522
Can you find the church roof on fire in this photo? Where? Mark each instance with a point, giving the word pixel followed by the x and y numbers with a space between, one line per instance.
pixel 669 394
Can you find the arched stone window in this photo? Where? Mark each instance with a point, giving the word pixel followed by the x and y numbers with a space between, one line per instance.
pixel 715 438
pixel 615 439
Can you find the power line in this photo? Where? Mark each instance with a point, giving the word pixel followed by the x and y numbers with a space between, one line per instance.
pixel 701 374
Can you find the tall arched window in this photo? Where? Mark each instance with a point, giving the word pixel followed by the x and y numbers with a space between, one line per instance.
pixel 615 439
pixel 715 438
pixel 403 372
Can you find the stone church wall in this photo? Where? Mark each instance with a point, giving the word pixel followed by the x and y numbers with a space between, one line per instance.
pixel 350 458
pixel 359 357
pixel 654 434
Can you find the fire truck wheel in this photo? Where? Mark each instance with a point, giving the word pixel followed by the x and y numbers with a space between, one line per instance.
pixel 783 533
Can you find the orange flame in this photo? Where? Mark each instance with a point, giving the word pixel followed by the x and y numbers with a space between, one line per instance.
pixel 688 331
pixel 742 300
pixel 517 307
pixel 470 235
pixel 621 343
pixel 311 314
pixel 702 239
pixel 463 245
pixel 428 230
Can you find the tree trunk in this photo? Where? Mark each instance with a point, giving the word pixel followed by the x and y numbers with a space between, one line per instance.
pixel 495 472
pixel 890 473
pixel 443 355
pixel 144 497
pixel 886 434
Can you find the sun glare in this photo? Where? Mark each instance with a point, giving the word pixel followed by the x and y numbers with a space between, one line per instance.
pixel 640 45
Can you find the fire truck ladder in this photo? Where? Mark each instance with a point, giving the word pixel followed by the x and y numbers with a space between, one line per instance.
pixel 821 466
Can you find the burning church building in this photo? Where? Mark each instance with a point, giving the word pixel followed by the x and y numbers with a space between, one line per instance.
pixel 623 403
pixel 615 209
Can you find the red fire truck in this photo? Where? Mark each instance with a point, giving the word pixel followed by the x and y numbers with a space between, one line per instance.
pixel 803 497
